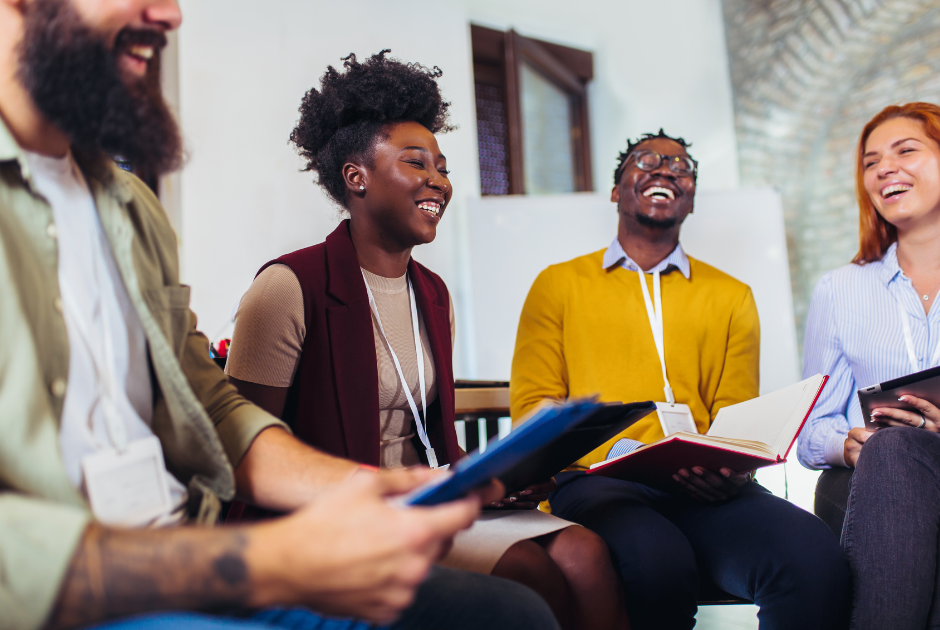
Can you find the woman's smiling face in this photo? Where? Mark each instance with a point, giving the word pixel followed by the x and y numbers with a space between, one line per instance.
pixel 901 171
pixel 407 189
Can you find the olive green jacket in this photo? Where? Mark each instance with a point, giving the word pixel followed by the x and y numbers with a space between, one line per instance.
pixel 204 425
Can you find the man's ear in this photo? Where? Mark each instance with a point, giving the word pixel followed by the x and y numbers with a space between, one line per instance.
pixel 615 194
pixel 356 178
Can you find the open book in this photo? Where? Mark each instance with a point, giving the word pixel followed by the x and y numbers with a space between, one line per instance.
pixel 749 435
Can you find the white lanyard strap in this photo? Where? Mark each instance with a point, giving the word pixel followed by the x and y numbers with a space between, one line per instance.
pixel 422 428
pixel 909 341
pixel 655 316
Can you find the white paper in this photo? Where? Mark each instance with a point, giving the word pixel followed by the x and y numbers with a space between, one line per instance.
pixel 773 419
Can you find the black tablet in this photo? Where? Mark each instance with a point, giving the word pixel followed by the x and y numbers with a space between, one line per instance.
pixel 552 439
pixel 924 384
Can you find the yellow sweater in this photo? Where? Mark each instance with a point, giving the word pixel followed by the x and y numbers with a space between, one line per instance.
pixel 584 330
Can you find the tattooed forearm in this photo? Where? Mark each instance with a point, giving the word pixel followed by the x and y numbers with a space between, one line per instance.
pixel 115 573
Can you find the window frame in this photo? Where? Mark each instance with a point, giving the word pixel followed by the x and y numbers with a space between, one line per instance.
pixel 497 60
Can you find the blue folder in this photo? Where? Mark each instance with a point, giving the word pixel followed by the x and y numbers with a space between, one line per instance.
pixel 553 438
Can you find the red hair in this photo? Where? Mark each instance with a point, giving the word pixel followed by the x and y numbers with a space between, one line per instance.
pixel 875 235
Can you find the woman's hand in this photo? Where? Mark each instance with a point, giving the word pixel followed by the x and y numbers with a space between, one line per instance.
pixel 854 441
pixel 926 416
pixel 527 499
pixel 704 485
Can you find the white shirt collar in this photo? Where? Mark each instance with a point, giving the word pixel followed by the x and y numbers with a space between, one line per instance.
pixel 616 256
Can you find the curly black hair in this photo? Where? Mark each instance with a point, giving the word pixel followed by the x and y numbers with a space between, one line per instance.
pixel 633 144
pixel 345 118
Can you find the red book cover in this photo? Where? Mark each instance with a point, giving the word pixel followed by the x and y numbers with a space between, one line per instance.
pixel 654 465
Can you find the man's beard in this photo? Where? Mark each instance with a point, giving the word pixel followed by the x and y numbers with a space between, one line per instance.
pixel 650 222
pixel 74 80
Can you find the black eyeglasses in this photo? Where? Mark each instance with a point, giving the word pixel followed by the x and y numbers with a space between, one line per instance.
pixel 681 165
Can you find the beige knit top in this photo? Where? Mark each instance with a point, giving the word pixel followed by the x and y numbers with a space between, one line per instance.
pixel 269 338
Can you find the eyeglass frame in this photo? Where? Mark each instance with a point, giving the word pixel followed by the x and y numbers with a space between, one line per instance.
pixel 693 174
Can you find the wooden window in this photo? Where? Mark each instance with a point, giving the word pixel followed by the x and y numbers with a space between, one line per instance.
pixel 532 115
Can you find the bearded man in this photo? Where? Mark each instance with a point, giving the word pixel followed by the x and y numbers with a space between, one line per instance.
pixel 120 434
pixel 641 320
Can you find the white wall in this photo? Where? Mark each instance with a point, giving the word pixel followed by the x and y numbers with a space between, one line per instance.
pixel 244 66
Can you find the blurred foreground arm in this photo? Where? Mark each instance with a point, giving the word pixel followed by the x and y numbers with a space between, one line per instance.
pixel 350 553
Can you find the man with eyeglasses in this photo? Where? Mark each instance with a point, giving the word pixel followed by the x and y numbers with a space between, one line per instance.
pixel 641 320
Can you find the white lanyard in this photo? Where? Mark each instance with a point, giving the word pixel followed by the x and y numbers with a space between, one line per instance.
pixel 422 429
pixel 656 323
pixel 909 341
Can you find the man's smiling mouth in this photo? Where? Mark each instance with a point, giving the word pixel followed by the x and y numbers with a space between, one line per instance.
pixel 144 53
pixel 658 192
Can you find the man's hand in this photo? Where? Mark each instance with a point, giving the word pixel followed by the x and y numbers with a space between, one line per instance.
pixel 704 485
pixel 854 441
pixel 349 552
pixel 353 553
pixel 527 499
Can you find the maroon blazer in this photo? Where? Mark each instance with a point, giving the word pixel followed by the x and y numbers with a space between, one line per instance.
pixel 333 403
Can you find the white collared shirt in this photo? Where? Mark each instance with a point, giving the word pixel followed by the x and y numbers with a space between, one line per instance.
pixel 95 305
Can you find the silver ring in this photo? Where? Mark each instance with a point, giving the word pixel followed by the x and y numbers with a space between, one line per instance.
pixel 923 421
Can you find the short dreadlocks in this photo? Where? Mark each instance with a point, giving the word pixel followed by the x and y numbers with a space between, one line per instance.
pixel 633 144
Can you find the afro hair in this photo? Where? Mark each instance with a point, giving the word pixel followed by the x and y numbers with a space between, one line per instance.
pixel 343 120
pixel 633 144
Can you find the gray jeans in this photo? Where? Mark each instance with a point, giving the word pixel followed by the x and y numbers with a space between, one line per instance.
pixel 892 529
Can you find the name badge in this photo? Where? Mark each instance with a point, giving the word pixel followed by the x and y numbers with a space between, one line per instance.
pixel 128 489
pixel 675 417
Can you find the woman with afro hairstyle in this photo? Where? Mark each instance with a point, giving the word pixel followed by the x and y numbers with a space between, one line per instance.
pixel 326 336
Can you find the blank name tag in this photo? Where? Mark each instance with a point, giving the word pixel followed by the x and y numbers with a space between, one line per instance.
pixel 675 417
pixel 130 488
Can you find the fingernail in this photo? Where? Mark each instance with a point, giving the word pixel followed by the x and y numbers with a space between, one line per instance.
pixel 725 472
pixel 676 478
pixel 684 473
pixel 903 398
pixel 877 413
pixel 698 471
pixel 512 499
pixel 495 504
pixel 525 492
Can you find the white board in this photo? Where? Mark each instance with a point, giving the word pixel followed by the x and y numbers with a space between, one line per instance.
pixel 513 238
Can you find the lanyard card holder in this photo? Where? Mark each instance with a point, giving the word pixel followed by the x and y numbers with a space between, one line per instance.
pixel 675 417
pixel 128 488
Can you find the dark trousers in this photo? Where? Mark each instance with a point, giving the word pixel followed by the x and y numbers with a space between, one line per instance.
pixel 755 546
pixel 891 532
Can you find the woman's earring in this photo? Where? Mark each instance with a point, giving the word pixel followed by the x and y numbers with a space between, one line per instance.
pixel 361 187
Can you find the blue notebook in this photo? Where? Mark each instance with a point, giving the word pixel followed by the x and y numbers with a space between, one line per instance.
pixel 553 438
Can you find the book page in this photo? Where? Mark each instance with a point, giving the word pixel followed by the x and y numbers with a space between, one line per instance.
pixel 773 419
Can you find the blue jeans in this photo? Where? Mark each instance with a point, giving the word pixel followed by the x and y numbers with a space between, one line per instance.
pixel 448 598
pixel 892 528
pixel 755 546
pixel 288 619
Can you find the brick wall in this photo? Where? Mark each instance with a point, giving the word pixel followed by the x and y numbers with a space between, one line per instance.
pixel 807 75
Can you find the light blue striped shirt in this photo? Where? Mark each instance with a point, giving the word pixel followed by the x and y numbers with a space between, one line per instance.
pixel 854 334
pixel 676 259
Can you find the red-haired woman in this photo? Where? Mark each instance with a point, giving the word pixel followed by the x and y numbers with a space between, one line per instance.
pixel 869 322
